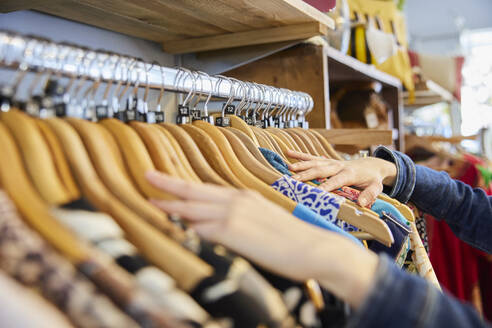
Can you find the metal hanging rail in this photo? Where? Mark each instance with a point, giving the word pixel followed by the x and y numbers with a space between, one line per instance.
pixel 29 53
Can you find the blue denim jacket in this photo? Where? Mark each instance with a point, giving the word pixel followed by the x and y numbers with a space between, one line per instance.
pixel 402 300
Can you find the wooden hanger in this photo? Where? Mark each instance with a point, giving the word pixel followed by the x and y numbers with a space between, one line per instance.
pixel 181 156
pixel 162 153
pixel 305 139
pixel 194 156
pixel 253 149
pixel 285 137
pixel 351 213
pixel 317 144
pixel 136 157
pixel 182 265
pixel 37 157
pixel 238 123
pixel 284 148
pixel 275 146
pixel 105 158
pixel 249 180
pixel 15 181
pixel 328 147
pixel 213 155
pixel 367 221
pixel 263 140
pixel 249 161
pixel 402 208
pixel 61 163
pixel 298 141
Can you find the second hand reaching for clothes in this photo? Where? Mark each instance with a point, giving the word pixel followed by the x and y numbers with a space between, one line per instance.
pixel 379 206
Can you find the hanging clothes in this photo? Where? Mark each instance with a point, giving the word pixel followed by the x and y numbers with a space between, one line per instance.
pixel 105 234
pixel 27 258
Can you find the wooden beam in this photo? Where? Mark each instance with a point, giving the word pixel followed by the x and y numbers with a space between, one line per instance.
pixel 231 40
pixel 14 5
pixel 357 137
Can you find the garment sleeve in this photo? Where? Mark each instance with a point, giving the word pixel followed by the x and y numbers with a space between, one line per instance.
pixel 467 211
pixel 401 300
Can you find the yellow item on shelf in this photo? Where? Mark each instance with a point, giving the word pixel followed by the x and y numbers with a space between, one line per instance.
pixel 390 20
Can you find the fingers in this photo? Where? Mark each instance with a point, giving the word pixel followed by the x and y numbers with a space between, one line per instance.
pixel 188 190
pixel 302 156
pixel 368 195
pixel 316 169
pixel 338 180
pixel 301 166
pixel 193 211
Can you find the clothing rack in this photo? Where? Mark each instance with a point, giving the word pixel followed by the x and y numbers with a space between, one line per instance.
pixel 35 54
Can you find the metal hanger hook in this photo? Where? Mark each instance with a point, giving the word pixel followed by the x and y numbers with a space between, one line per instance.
pixel 193 85
pixel 231 91
pixel 205 105
pixel 243 93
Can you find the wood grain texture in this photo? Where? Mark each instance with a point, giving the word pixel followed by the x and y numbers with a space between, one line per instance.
pixel 302 68
pixel 255 37
pixel 357 137
pixel 192 25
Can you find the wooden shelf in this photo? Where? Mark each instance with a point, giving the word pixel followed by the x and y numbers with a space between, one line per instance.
pixel 184 26
pixel 317 70
pixel 343 68
pixel 433 95
pixel 357 137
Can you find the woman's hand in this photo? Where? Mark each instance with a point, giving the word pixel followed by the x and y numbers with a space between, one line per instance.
pixel 252 226
pixel 368 174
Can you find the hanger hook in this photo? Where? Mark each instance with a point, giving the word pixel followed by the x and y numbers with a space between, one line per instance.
pixel 258 103
pixel 205 105
pixel 243 93
pixel 247 98
pixel 282 102
pixel 147 83
pixel 116 59
pixel 270 102
pixel 231 91
pixel 199 94
pixel 193 85
pixel 161 92
pixel 128 77
pixel 251 95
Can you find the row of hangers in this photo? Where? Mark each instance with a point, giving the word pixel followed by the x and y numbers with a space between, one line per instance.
pixel 65 154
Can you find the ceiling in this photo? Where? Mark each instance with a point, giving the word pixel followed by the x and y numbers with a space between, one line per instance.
pixel 434 25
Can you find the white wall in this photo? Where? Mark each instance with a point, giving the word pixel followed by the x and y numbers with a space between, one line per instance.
pixel 434 25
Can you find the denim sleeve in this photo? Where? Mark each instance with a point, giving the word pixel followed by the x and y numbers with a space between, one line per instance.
pixel 467 211
pixel 405 177
pixel 402 300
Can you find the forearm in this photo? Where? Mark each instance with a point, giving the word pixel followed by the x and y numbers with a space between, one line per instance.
pixel 398 299
pixel 468 211
pixel 341 266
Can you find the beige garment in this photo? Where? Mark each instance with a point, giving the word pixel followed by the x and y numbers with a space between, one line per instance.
pixel 21 307
pixel 421 259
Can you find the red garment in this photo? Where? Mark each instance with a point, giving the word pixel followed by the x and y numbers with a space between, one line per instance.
pixel 460 268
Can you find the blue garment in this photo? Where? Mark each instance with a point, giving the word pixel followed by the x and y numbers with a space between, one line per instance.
pixel 401 234
pixel 304 213
pixel 321 202
pixel 381 206
pixel 275 160
pixel 398 299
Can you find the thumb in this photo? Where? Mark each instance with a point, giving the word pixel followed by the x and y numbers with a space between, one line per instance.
pixel 368 195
